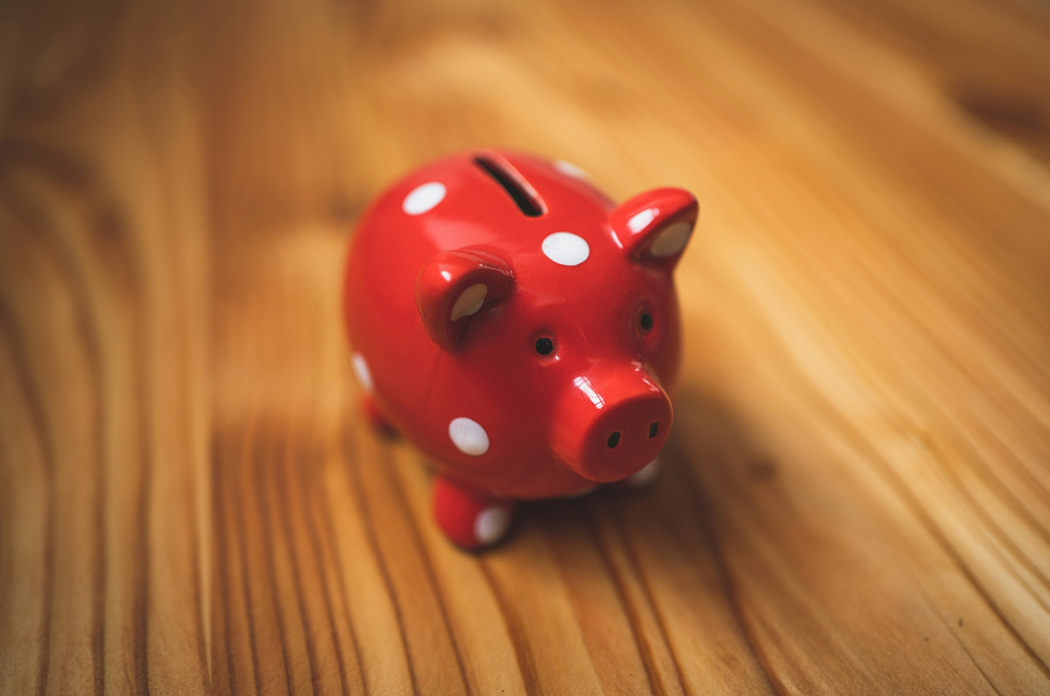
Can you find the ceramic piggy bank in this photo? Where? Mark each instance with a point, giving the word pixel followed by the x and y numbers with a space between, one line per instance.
pixel 519 328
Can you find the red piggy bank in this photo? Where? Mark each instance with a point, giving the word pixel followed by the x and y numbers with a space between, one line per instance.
pixel 519 328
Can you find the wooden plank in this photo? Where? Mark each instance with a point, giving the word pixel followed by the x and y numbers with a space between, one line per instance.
pixel 856 496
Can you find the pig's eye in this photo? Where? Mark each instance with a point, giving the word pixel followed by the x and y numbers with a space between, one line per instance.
pixel 544 346
pixel 646 322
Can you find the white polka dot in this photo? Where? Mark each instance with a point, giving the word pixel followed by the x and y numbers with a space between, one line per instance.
pixel 566 248
pixel 364 375
pixel 641 220
pixel 468 436
pixel 646 476
pixel 672 240
pixel 570 169
pixel 470 301
pixel 423 198
pixel 491 524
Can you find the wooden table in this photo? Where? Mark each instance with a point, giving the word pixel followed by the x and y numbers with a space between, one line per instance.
pixel 857 493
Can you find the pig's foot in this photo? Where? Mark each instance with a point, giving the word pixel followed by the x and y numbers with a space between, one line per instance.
pixel 469 518
pixel 376 418
pixel 643 479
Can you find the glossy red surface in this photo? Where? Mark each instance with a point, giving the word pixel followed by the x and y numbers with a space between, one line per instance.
pixel 447 296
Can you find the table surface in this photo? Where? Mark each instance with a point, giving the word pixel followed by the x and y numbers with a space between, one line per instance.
pixel 857 491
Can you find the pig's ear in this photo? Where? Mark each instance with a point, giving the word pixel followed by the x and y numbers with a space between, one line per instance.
pixel 655 226
pixel 454 286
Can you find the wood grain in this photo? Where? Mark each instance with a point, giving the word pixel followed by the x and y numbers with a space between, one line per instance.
pixel 857 490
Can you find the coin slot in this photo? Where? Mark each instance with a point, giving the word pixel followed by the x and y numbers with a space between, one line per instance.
pixel 523 195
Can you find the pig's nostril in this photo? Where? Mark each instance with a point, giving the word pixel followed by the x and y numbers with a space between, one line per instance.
pixel 613 440
pixel 652 430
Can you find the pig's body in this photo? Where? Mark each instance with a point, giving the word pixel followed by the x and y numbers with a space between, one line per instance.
pixel 500 419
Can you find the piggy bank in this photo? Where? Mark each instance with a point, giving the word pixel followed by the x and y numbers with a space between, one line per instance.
pixel 520 328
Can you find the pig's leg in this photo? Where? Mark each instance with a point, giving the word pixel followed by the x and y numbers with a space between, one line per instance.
pixel 468 517
pixel 644 479
pixel 375 417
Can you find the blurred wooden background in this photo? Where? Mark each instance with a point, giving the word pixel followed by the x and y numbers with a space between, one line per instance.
pixel 857 496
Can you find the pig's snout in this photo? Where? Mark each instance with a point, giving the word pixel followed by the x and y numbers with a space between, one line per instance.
pixel 610 423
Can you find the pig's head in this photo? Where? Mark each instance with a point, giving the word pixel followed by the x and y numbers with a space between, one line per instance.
pixel 565 310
